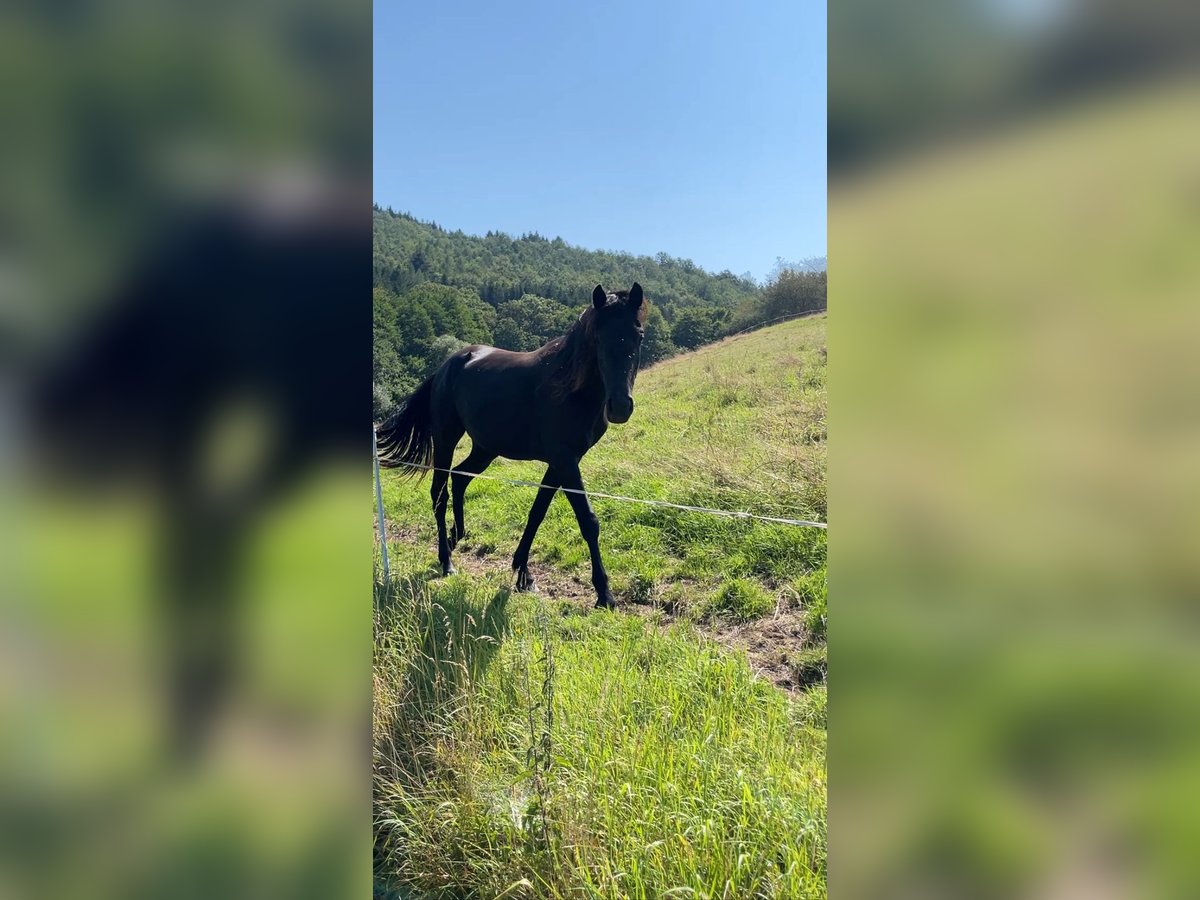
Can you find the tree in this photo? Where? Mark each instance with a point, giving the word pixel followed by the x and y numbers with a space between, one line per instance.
pixel 793 292
pixel 530 321
pixel 695 326
pixel 499 269
pixel 450 310
pixel 391 382
pixel 657 343
pixel 440 351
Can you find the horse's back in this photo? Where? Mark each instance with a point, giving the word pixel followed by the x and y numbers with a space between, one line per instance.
pixel 494 359
pixel 493 394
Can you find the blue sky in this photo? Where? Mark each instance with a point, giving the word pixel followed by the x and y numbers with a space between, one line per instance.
pixel 697 128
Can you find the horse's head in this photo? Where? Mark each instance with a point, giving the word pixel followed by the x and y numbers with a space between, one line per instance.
pixel 617 326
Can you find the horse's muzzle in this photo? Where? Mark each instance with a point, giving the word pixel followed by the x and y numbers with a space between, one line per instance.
pixel 619 411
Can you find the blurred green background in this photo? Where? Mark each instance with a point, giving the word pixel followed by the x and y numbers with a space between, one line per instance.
pixel 1015 217
pixel 153 155
pixel 1014 236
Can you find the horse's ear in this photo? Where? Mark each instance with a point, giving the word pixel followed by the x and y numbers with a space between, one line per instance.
pixel 635 296
pixel 599 297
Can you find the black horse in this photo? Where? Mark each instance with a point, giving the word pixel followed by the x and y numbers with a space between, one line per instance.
pixel 552 404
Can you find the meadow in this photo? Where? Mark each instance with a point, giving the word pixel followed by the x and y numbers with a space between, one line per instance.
pixel 526 745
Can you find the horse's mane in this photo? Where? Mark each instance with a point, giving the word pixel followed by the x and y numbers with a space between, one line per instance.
pixel 575 353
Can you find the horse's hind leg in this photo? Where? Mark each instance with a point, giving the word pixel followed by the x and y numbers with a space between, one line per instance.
pixel 444 443
pixel 476 461
pixel 537 512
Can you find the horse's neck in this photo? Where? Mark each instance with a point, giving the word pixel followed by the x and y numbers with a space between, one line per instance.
pixel 592 388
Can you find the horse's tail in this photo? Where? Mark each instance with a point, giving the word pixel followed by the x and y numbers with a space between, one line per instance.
pixel 405 440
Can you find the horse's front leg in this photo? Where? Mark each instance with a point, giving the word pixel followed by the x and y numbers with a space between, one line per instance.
pixel 589 527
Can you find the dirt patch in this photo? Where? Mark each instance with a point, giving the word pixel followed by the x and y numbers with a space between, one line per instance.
pixel 550 582
pixel 777 646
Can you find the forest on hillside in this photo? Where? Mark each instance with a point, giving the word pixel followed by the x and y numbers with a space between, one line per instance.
pixel 436 290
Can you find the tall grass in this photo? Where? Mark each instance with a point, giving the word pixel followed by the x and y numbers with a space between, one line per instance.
pixel 527 749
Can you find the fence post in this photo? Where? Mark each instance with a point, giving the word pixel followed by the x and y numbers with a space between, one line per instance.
pixel 379 503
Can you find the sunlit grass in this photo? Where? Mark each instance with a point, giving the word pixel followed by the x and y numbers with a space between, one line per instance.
pixel 526 746
pixel 669 767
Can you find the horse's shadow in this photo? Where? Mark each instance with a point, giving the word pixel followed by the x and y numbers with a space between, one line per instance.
pixel 434 639
pixel 444 637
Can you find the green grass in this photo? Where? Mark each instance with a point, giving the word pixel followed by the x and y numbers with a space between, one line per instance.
pixel 649 764
pixel 527 746
pixel 743 599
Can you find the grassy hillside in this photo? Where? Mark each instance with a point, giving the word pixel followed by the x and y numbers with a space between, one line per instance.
pixel 530 744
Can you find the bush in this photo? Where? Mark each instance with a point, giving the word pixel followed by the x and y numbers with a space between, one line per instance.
pixel 698 325
pixel 440 350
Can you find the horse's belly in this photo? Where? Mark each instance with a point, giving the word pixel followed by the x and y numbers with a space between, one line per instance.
pixel 503 425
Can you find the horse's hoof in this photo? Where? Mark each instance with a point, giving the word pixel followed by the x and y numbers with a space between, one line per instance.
pixel 606 601
pixel 525 582
pixel 448 569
